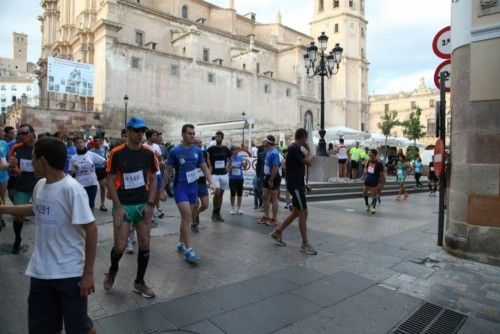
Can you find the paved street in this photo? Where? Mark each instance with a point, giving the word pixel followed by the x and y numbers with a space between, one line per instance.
pixel 371 273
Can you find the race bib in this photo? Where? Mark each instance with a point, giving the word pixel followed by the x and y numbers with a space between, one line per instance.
pixel 371 170
pixel 266 170
pixel 236 171
pixel 26 165
pixel 220 164
pixel 400 172
pixel 200 172
pixel 432 169
pixel 133 180
pixel 192 176
pixel 48 213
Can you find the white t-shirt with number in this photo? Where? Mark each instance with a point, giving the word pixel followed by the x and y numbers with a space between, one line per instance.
pixel 83 166
pixel 155 148
pixel 60 210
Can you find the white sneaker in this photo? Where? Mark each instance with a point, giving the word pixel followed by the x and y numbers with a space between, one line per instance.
pixel 233 211
pixel 130 246
pixel 238 211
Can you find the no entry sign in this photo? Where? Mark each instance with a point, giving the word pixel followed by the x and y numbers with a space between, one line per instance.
pixel 441 44
pixel 439 157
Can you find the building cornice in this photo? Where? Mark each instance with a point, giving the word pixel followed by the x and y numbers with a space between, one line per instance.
pixel 328 17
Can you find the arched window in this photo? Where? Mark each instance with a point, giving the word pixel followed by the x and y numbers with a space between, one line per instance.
pixel 184 12
pixel 308 121
pixel 321 5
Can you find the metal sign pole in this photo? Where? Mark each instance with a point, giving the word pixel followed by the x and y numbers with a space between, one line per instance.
pixel 442 177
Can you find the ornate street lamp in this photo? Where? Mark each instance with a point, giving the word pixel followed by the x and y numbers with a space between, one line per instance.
pixel 327 66
pixel 125 99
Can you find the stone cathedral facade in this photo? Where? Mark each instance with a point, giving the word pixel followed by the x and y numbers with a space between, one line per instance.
pixel 190 61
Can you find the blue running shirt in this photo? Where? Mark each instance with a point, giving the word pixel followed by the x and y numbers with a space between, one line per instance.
pixel 186 162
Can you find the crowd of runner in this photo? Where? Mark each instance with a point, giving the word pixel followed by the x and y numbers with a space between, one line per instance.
pixel 57 182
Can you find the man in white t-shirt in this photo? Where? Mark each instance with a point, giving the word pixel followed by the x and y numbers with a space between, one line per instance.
pixel 151 136
pixel 62 264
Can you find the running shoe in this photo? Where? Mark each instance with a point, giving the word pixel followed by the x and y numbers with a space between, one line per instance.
pixel 192 257
pixel 194 228
pixel 239 212
pixel 287 205
pixel 397 197
pixel 367 208
pixel 143 290
pixel 220 219
pixel 181 248
pixel 373 210
pixel 233 211
pixel 278 238
pixel 308 249
pixel 214 218
pixel 109 280
pixel 16 247
pixel 160 213
pixel 154 224
pixel 405 196
pixel 270 222
pixel 130 247
pixel 262 220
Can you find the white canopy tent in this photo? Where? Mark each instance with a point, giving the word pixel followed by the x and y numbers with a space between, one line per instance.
pixel 337 132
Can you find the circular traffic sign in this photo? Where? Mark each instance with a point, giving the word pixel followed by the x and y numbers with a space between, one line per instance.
pixel 439 157
pixel 444 67
pixel 441 44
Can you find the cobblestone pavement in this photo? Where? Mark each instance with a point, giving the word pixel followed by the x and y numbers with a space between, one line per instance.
pixel 372 271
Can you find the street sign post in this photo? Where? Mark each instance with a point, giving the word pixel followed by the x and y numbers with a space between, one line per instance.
pixel 445 68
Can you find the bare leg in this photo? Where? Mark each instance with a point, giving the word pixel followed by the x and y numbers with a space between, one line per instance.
pixel 185 209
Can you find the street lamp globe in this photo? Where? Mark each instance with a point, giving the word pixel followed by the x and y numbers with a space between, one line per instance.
pixel 311 52
pixel 323 41
pixel 337 51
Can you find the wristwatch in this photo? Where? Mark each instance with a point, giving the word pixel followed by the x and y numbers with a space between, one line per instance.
pixel 151 204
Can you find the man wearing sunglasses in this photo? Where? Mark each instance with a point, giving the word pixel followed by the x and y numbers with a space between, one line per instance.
pixel 131 181
pixel 21 168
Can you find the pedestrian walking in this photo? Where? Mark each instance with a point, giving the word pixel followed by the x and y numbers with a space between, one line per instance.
pixel 219 158
pixel 271 182
pixel 418 167
pixel 297 162
pixel 62 264
pixel 403 168
pixel 374 174
pixel 235 180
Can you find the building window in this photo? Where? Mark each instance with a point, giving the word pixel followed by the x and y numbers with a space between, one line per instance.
pixel 184 12
pixel 362 53
pixel 288 92
pixel 3 87
pixel 431 125
pixel 153 46
pixel 139 38
pixel 184 51
pixel 321 5
pixel 351 3
pixel 14 99
pixel 386 107
pixel 3 109
pixel 363 127
pixel 431 103
pixel 362 32
pixel 239 83
pixel 4 99
pixel 362 7
pixel 217 61
pixel 13 87
pixel 258 68
pixel 136 62
pixel 206 55
pixel 335 3
pixel 244 66
pixel 267 88
pixel 336 29
pixel 174 70
pixel 211 77
pixel 413 105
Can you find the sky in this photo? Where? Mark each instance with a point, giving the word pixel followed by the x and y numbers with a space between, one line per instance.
pixel 399 34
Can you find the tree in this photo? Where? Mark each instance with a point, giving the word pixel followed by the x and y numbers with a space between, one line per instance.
pixel 412 127
pixel 387 122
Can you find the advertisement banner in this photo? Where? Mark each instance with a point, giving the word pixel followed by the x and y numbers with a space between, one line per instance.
pixel 70 77
pixel 249 165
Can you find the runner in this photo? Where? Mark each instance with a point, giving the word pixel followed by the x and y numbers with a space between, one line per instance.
pixel 219 157
pixel 21 167
pixel 131 180
pixel 342 159
pixel 271 182
pixel 62 264
pixel 296 164
pixel 418 167
pixel 288 196
pixel 374 174
pixel 187 160
pixel 433 179
pixel 151 138
pixel 82 166
pixel 236 180
pixel 381 184
pixel 11 139
pixel 202 201
pixel 403 168
pixel 4 172
pixel 100 170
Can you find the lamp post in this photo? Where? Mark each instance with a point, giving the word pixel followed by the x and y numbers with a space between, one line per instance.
pixel 327 66
pixel 125 99
pixel 243 116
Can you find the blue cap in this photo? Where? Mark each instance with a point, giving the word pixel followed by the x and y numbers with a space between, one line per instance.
pixel 136 123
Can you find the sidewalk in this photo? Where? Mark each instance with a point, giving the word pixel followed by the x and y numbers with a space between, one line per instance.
pixel 371 273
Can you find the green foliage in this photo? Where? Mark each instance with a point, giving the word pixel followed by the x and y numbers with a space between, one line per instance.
pixel 388 121
pixel 412 127
pixel 412 152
